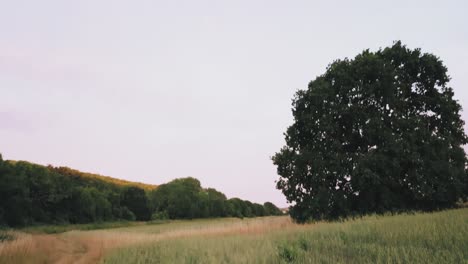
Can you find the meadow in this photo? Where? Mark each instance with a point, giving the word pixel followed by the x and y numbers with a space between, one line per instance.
pixel 440 237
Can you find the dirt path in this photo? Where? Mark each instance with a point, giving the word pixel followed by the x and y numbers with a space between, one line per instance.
pixel 77 247
pixel 64 249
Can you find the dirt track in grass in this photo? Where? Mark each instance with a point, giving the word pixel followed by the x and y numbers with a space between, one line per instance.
pixel 90 246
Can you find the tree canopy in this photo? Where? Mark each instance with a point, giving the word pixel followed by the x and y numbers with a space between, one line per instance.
pixel 185 198
pixel 380 132
pixel 36 194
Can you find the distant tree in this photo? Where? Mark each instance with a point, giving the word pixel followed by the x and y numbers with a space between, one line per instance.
pixel 201 206
pixel 159 198
pixel 135 199
pixel 41 191
pixel 259 210
pixel 216 203
pixel 247 208
pixel 180 198
pixel 104 207
pixel 235 207
pixel 271 209
pixel 15 205
pixel 83 204
pixel 381 132
pixel 230 209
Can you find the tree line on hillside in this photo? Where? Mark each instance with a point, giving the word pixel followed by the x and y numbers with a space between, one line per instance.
pixel 36 194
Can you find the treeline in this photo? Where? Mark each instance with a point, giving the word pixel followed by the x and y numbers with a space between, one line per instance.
pixel 185 198
pixel 35 194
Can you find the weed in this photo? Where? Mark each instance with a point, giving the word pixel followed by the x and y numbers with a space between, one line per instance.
pixel 303 243
pixel 288 252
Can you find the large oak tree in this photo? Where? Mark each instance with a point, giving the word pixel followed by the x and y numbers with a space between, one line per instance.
pixel 380 132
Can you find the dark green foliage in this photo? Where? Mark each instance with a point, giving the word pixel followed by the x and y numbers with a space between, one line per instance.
pixel 236 207
pixel 378 133
pixel 90 205
pixel 161 215
pixel 271 209
pixel 32 194
pixel 216 203
pixel 136 201
pixel 126 214
pixel 179 198
pixel 258 210
pixel 185 198
pixel 13 196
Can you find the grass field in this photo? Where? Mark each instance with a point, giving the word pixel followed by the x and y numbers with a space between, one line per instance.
pixel 440 237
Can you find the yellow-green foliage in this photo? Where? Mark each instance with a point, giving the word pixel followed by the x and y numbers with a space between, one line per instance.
pixel 116 181
pixel 440 237
pixel 93 176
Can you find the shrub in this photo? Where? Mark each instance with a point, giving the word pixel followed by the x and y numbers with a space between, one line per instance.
pixel 288 252
pixel 160 216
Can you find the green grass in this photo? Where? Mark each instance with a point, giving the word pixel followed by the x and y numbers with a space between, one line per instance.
pixel 55 229
pixel 132 226
pixel 440 237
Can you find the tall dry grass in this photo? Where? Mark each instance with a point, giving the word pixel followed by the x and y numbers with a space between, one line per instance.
pixel 90 246
pixel 440 237
pixel 23 248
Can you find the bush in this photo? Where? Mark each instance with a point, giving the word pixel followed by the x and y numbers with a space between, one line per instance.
pixel 160 216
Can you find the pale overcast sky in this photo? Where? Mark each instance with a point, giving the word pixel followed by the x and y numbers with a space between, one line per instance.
pixel 154 90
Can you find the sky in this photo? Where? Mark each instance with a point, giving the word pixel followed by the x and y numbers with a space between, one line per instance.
pixel 152 90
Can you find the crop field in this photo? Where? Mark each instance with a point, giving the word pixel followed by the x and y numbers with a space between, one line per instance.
pixel 440 237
